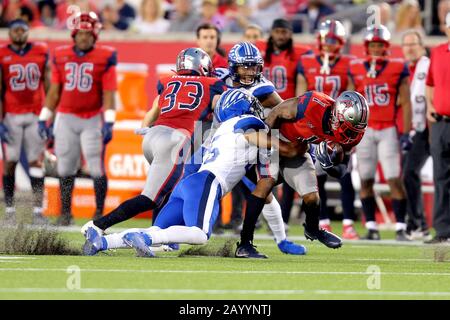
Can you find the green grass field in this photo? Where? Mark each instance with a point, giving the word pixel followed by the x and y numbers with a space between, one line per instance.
pixel 358 270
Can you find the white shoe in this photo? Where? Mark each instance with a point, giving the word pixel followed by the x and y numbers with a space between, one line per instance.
pixel 91 225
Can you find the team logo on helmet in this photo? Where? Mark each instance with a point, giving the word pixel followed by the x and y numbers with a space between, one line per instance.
pixel 194 61
pixel 86 21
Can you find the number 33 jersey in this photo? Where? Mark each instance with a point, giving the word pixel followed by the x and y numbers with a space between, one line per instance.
pixel 83 77
pixel 381 92
pixel 23 76
pixel 183 100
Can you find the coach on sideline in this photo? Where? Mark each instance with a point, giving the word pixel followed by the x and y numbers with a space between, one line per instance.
pixel 438 113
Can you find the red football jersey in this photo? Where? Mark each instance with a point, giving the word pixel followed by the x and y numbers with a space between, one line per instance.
pixel 186 99
pixel 219 62
pixel 83 77
pixel 333 84
pixel 282 71
pixel 381 92
pixel 23 77
pixel 313 120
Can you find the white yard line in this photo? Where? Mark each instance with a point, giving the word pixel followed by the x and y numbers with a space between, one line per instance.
pixel 225 291
pixel 231 272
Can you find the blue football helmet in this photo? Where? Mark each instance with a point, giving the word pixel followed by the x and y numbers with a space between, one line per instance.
pixel 247 55
pixel 237 102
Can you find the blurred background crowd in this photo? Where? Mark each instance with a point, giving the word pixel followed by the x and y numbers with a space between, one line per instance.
pixel 162 16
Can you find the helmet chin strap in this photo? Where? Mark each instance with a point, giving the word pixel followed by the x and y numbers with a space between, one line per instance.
pixel 325 68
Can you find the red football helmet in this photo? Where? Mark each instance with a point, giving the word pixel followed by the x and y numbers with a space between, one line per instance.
pixel 331 32
pixel 87 21
pixel 378 33
pixel 349 117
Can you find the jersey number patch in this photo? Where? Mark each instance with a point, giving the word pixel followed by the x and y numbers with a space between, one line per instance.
pixel 194 91
pixel 79 76
pixel 25 77
pixel 377 94
pixel 334 81
pixel 278 76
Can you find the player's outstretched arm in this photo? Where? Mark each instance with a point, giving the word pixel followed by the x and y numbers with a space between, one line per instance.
pixel 287 149
pixel 301 85
pixel 286 110
pixel 272 100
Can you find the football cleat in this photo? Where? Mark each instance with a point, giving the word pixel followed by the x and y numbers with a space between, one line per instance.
pixel 327 238
pixel 93 243
pixel 90 224
pixel 349 233
pixel 137 241
pixel 400 235
pixel 372 234
pixel 39 219
pixel 248 250
pixel 289 247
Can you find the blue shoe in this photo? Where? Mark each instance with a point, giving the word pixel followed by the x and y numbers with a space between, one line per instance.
pixel 326 237
pixel 137 241
pixel 174 246
pixel 248 250
pixel 93 243
pixel 289 247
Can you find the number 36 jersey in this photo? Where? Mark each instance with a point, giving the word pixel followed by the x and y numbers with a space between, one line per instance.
pixel 381 92
pixel 183 100
pixel 83 77
pixel 23 76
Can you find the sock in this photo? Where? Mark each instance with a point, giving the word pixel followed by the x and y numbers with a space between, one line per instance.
pixel 400 226
pixel 399 207
pixel 177 234
pixel 323 196
pixel 37 211
pixel 347 222
pixel 274 218
pixel 348 197
pixel 100 187
pixel 37 185
pixel 369 206
pixel 254 208
pixel 371 225
pixel 8 189
pixel 66 185
pixel 114 240
pixel 125 211
pixel 312 212
pixel 10 210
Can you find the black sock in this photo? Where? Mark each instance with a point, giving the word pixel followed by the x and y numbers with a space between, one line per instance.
pixel 399 207
pixel 100 187
pixel 66 185
pixel 312 212
pixel 254 208
pixel 323 196
pixel 8 189
pixel 125 211
pixel 369 206
pixel 348 196
pixel 37 185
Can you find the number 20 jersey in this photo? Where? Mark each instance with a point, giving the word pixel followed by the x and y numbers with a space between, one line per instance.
pixel 23 74
pixel 83 77
pixel 183 100
pixel 380 92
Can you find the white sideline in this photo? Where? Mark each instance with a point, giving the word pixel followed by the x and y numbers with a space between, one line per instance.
pixel 447 274
pixel 225 291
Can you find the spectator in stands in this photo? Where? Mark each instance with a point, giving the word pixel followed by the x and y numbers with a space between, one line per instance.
pixel 126 12
pixel 414 160
pixel 47 12
pixel 408 16
pixel 240 18
pixel 150 19
pixel 266 11
pixel 253 33
pixel 183 19
pixel 209 13
pixel 63 14
pixel 3 23
pixel 111 16
pixel 438 113
pixel 314 11
pixel 443 8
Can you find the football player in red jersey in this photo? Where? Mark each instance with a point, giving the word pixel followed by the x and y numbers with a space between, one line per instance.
pixel 312 118
pixel 281 58
pixel 385 84
pixel 184 98
pixel 83 85
pixel 24 73
pixel 327 72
